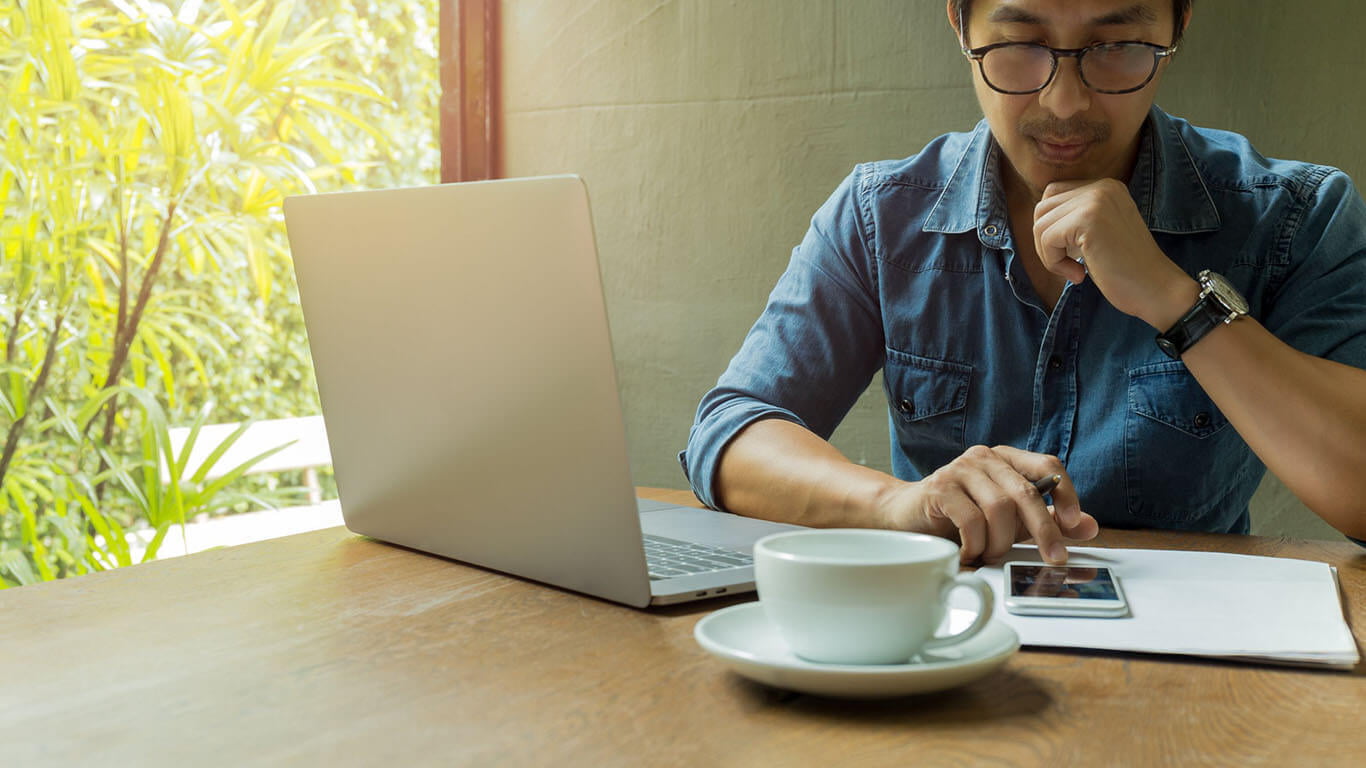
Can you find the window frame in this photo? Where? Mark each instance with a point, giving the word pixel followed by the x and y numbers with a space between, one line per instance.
pixel 470 115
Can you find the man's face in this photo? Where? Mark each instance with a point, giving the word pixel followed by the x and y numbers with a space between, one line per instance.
pixel 1067 131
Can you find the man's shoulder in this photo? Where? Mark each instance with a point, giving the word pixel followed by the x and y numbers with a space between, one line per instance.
pixel 1228 161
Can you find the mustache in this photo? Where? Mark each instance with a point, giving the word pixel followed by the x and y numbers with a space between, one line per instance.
pixel 1073 128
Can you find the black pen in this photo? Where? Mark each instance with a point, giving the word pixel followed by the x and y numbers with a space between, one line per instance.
pixel 1046 485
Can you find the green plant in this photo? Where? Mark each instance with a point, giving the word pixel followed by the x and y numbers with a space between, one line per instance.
pixel 143 268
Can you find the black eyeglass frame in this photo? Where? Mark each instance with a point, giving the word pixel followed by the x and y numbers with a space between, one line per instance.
pixel 1160 52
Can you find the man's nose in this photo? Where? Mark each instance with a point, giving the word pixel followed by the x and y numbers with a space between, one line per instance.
pixel 1067 95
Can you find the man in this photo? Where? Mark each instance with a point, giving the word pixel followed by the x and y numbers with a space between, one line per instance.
pixel 1040 285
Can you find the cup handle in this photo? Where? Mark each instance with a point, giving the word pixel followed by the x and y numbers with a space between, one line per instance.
pixel 984 593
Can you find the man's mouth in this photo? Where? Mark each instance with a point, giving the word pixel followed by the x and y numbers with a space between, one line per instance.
pixel 1061 150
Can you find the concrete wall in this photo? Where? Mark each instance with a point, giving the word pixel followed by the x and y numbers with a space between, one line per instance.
pixel 708 132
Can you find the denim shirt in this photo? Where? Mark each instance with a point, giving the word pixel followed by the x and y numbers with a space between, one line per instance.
pixel 910 267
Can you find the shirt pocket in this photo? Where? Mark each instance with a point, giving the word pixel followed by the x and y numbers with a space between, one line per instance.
pixel 1176 443
pixel 928 400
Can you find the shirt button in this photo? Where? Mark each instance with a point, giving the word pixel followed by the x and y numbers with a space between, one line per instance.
pixel 990 230
pixel 1055 362
pixel 905 407
pixel 1202 419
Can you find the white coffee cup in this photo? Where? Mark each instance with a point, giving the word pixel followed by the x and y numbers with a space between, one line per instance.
pixel 862 596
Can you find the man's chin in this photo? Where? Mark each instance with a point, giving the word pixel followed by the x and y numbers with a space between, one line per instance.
pixel 1053 170
pixel 1041 175
pixel 1037 175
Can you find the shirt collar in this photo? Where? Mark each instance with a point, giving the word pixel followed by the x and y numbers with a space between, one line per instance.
pixel 970 198
pixel 1171 194
pixel 1166 184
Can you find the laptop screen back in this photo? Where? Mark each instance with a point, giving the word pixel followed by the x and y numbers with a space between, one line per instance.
pixel 461 346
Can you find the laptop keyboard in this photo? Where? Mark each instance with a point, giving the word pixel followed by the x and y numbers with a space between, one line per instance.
pixel 670 557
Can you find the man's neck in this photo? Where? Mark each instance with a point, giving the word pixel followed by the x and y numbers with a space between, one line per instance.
pixel 1020 198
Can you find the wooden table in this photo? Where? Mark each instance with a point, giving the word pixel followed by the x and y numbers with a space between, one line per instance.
pixel 326 648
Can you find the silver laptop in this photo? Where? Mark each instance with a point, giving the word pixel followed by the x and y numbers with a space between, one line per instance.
pixel 461 345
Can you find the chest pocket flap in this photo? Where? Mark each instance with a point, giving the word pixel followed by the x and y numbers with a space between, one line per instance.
pixel 920 388
pixel 1168 394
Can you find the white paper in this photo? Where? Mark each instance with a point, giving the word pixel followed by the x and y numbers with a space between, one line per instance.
pixel 1198 603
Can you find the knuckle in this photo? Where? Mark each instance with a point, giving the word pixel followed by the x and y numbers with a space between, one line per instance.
pixel 998 507
pixel 970 522
pixel 978 452
pixel 1025 495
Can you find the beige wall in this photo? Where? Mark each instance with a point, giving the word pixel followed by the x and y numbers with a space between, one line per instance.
pixel 708 132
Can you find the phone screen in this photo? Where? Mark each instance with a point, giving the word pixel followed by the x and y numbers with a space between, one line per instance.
pixel 1062 581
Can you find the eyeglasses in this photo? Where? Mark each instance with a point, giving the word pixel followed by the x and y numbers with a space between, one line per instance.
pixel 1019 68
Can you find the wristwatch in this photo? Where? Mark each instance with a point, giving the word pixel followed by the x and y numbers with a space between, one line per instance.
pixel 1219 304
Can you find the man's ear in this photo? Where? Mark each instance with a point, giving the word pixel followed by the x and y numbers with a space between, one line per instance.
pixel 1185 22
pixel 953 20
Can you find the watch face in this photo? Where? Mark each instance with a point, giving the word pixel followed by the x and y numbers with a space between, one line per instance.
pixel 1224 291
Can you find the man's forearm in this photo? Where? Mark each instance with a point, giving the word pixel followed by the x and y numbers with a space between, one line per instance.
pixel 1304 416
pixel 777 470
pixel 983 499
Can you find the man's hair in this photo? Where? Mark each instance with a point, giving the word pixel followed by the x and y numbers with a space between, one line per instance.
pixel 963 8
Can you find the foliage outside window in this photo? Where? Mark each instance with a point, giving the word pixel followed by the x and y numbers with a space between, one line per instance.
pixel 144 274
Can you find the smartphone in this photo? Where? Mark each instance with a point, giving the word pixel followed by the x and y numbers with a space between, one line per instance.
pixel 1033 589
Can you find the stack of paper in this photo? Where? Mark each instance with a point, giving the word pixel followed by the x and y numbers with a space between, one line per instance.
pixel 1202 604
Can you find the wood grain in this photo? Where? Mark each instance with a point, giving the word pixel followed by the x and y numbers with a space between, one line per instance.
pixel 328 648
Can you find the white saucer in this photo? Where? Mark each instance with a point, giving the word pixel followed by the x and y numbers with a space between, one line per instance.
pixel 742 637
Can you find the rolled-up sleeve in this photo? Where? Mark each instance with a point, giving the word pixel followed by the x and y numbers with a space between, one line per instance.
pixel 1320 305
pixel 813 350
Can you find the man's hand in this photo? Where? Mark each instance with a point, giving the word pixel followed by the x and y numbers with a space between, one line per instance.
pixel 986 500
pixel 1096 223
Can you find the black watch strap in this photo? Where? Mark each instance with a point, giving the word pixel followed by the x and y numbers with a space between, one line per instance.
pixel 1204 317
